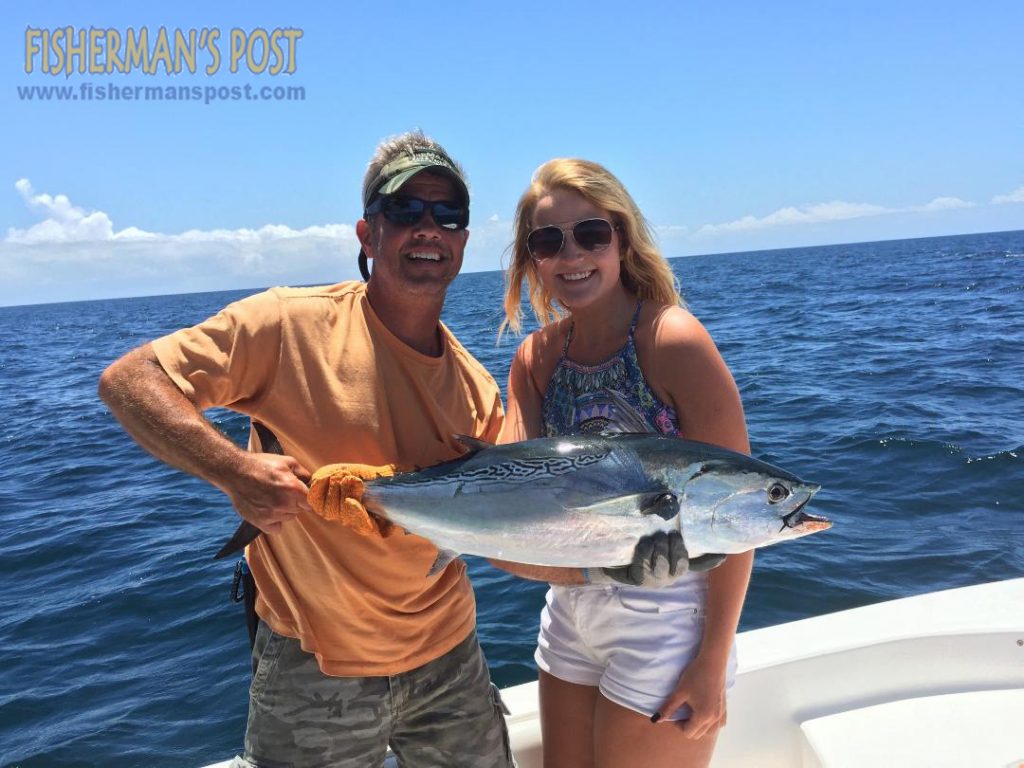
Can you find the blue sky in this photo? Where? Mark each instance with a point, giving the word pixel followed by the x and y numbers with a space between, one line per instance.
pixel 736 126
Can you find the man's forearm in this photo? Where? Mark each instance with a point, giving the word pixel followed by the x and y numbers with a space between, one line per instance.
pixel 158 415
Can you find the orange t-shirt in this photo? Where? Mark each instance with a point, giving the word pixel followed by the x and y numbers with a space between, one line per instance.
pixel 319 368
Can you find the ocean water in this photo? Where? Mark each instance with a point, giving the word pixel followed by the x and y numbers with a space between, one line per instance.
pixel 891 373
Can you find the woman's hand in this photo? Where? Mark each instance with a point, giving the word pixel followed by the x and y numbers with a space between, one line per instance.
pixel 702 687
pixel 659 559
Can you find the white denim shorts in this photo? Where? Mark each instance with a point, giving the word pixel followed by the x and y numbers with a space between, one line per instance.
pixel 632 643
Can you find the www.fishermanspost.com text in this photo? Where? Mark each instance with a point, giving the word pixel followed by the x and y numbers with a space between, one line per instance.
pixel 205 94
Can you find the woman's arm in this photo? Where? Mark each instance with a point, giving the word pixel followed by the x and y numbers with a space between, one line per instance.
pixel 686 365
pixel 524 412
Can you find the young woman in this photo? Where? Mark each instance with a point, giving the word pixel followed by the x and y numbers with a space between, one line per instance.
pixel 628 675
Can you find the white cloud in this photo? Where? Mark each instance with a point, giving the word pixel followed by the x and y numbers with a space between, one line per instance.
pixel 818 213
pixel 76 253
pixel 811 214
pixel 72 252
pixel 67 223
pixel 1017 196
pixel 64 223
pixel 938 204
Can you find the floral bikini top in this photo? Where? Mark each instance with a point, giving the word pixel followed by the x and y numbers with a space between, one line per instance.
pixel 577 399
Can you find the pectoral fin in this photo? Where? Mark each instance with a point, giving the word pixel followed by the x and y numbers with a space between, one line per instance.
pixel 661 503
pixel 664 505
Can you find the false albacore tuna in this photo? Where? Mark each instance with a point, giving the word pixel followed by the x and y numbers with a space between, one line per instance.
pixel 585 501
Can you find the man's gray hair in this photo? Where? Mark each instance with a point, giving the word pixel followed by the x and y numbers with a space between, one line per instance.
pixel 404 144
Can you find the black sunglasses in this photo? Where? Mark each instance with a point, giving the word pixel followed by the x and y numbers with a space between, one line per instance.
pixel 589 234
pixel 408 211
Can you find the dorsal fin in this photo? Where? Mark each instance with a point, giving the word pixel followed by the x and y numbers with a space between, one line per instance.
pixel 268 440
pixel 626 417
pixel 246 531
pixel 471 444
pixel 244 535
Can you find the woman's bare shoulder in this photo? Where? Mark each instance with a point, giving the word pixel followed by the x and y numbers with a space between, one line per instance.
pixel 686 366
pixel 676 327
pixel 539 352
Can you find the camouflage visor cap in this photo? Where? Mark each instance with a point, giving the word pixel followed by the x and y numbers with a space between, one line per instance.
pixel 393 175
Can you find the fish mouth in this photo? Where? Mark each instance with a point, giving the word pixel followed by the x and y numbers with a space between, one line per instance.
pixel 805 521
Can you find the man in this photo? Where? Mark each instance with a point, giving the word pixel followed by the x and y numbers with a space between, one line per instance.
pixel 357 648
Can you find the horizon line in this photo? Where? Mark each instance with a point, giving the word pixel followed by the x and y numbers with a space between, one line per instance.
pixel 257 289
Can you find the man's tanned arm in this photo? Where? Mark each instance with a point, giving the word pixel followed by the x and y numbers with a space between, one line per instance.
pixel 265 489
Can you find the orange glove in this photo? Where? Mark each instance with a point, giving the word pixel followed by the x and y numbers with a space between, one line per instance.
pixel 336 493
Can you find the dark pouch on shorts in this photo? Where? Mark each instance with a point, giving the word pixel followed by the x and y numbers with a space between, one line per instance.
pixel 243 587
pixel 243 590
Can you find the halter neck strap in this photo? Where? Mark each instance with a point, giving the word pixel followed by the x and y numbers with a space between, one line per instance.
pixel 632 329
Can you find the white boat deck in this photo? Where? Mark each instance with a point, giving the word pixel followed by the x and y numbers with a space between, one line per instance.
pixel 928 731
pixel 933 680
pixel 956 641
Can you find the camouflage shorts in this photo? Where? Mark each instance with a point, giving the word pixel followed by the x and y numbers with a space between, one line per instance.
pixel 445 714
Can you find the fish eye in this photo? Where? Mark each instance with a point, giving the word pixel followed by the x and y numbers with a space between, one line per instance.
pixel 777 492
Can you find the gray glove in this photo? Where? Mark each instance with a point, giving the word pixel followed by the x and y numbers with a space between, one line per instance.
pixel 658 560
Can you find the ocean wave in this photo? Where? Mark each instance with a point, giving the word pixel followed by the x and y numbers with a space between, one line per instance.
pixel 888 372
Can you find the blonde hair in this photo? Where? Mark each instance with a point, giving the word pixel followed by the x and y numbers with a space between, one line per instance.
pixel 643 269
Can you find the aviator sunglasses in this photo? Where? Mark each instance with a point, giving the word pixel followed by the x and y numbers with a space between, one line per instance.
pixel 590 234
pixel 407 211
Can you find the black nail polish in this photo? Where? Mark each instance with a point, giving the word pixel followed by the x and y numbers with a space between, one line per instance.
pixel 656 717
